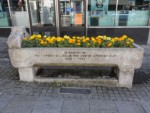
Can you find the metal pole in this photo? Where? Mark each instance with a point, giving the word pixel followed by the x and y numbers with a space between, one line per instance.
pixel 86 18
pixel 57 17
pixel 9 8
pixel 29 15
pixel 117 2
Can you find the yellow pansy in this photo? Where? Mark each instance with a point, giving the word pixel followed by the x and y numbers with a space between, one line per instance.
pixel 70 41
pixel 127 43
pixel 31 37
pixel 39 36
pixel 78 41
pixel 25 39
pixel 78 44
pixel 109 45
pixel 59 39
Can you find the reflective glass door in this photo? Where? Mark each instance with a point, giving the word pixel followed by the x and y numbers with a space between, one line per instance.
pixel 72 17
pixel 19 13
pixel 42 15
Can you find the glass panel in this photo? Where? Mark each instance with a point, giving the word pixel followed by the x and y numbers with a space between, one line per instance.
pixel 133 13
pixel 42 12
pixel 101 12
pixel 4 14
pixel 72 12
pixel 19 13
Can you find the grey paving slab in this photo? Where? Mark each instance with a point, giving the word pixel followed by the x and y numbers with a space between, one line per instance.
pixel 75 106
pixel 48 105
pixel 20 104
pixel 146 106
pixel 102 106
pixel 4 100
pixel 129 107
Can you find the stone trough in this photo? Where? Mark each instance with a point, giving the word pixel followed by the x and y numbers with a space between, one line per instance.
pixel 28 60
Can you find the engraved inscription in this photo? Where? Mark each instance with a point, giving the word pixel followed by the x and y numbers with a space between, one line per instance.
pixel 67 55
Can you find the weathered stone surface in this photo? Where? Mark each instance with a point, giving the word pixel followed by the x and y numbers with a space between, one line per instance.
pixel 124 59
pixel 15 38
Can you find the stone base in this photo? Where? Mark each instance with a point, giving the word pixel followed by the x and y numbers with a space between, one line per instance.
pixel 27 74
pixel 111 82
pixel 125 77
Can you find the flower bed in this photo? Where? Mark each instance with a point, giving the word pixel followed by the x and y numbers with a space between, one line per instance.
pixel 28 54
pixel 76 41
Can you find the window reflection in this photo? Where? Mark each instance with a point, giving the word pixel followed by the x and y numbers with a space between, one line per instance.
pixel 42 12
pixel 129 13
pixel 72 12
pixel 133 13
pixel 101 12
pixel 19 13
pixel 4 14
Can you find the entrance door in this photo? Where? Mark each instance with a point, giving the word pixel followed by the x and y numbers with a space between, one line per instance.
pixel 72 17
pixel 42 16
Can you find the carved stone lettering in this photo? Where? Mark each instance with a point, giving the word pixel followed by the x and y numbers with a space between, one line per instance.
pixel 72 55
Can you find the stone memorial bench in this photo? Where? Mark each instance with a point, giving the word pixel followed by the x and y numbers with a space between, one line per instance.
pixel 27 60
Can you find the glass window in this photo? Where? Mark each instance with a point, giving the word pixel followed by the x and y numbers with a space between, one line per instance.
pixel 133 13
pixel 19 13
pixel 101 12
pixel 42 12
pixel 72 12
pixel 4 14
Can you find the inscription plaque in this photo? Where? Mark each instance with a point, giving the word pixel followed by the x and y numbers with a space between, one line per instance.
pixel 67 55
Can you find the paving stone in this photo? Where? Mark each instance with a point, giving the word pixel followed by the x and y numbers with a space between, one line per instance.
pixel 146 106
pixel 129 107
pixel 75 106
pixel 20 104
pixel 102 106
pixel 4 100
pixel 48 105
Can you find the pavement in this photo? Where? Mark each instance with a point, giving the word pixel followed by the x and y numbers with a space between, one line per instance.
pixel 23 97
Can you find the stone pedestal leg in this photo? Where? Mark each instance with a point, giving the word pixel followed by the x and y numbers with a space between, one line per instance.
pixel 125 77
pixel 27 74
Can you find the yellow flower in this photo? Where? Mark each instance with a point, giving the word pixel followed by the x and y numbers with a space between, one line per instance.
pixel 124 36
pixel 79 38
pixel 108 38
pixel 70 41
pixel 74 40
pixel 113 40
pixel 109 45
pixel 39 36
pixel 87 38
pixel 66 37
pixel 84 40
pixel 45 36
pixel 47 39
pixel 50 41
pixel 130 39
pixel 31 37
pixel 104 37
pixel 78 41
pixel 93 40
pixel 42 42
pixel 78 44
pixel 59 39
pixel 54 38
pixel 127 43
pixel 25 39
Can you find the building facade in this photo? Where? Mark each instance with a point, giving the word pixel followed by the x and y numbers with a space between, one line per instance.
pixel 78 17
